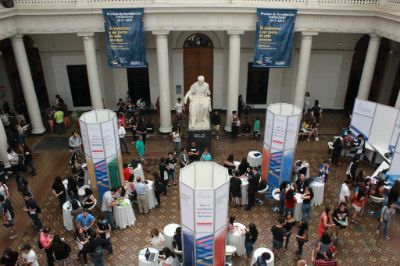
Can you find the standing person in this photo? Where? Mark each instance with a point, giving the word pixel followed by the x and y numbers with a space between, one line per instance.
pixel 387 213
pixel 176 139
pixel 307 103
pixel 250 239
pixel 9 258
pixel 33 210
pixel 289 223
pixel 162 166
pixel 95 247
pixel 122 134
pixel 179 108
pixel 143 202
pixel 301 184
pixel 75 143
pixel 28 256
pixel 28 160
pixel 325 221
pixel 59 190
pixel 278 236
pixel 4 189
pixel 193 152
pixel 216 122
pixel 235 188
pixel 104 230
pixel 84 223
pixel 61 250
pixel 107 206
pixel 352 170
pixel 177 242
pixel 256 129
pixel 235 125
pixel 139 144
pixel 358 200
pixel 243 166
pixel 183 158
pixel 283 188
pixel 8 215
pixel 230 164
pixel 337 150
pixel 206 156
pixel 306 207
pixel 340 218
pixel 46 241
pixel 241 105
pixel 141 129
pixel 50 118
pixel 157 239
pixel 252 189
pixel 324 171
pixel 159 187
pixel 344 195
pixel 317 111
pixel 290 201
pixel 314 128
pixel 59 119
pixel 171 166
pixel 301 237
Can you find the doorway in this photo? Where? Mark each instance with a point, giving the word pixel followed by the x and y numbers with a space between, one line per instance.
pixel 79 85
pixel 138 84
pixel 198 59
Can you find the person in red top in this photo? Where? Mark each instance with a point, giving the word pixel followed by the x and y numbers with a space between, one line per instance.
pixel 328 260
pixel 290 201
pixel 127 172
pixel 358 202
pixel 325 221
pixel 46 240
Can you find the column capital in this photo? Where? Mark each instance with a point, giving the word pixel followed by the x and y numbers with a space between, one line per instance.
pixel 309 33
pixel 159 33
pixel 374 37
pixel 235 32
pixel 86 35
pixel 18 37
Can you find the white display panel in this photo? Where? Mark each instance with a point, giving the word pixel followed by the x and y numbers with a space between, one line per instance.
pixel 361 124
pixel 95 140
pixel 85 140
pixel 186 199
pixel 203 172
pixel 109 141
pixel 279 132
pixel 291 132
pixel 268 128
pixel 221 205
pixel 395 134
pixel 204 210
pixel 383 126
pixel 364 108
pixel 395 165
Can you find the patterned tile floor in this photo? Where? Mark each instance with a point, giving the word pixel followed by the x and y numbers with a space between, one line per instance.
pixel 361 246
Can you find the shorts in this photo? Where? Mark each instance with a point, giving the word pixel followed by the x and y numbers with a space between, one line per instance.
pixel 277 244
pixel 356 208
pixel 216 127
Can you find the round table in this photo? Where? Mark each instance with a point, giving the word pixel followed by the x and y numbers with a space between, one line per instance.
pixel 276 193
pixel 67 217
pixel 138 171
pixel 169 232
pixel 81 190
pixel 142 258
pixel 237 237
pixel 151 196
pixel 243 188
pixel 318 189
pixel 258 253
pixel 254 158
pixel 297 208
pixel 124 215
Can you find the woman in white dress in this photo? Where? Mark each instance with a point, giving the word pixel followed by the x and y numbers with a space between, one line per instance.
pixel 157 239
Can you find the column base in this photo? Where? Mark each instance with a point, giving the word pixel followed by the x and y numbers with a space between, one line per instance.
pixel 201 137
pixel 165 130
pixel 38 131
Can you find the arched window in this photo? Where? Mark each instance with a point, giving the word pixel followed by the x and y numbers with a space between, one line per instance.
pixel 198 40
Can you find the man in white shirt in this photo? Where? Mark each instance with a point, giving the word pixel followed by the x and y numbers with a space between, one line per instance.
pixel 344 195
pixel 179 108
pixel 122 134
pixel 107 206
pixel 75 143
pixel 28 256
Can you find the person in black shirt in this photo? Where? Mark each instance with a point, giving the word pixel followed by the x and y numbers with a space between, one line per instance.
pixel 177 243
pixel 171 165
pixel 28 160
pixel 301 237
pixel 235 188
pixel 95 247
pixel 61 250
pixel 9 257
pixel 142 130
pixel 243 166
pixel 317 110
pixel 163 174
pixel 216 122
pixel 278 236
pixel 306 206
pixel 3 172
pixel 252 189
pixel 289 223
pixel 72 188
pixel 250 239
pixel 340 218
pixel 59 190
pixel 301 184
pixel 193 152
pixel 7 210
pixel 159 187
pixel 32 209
pixel 104 230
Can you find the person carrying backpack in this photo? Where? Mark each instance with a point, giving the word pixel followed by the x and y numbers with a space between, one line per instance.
pixel 95 247
pixel 387 213
pixel 61 250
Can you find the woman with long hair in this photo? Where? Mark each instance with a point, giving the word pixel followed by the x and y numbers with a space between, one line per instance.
pixel 167 257
pixel 301 237
pixel 250 239
pixel 61 250
pixel 230 164
pixel 359 200
pixel 89 200
pixel 157 239
pixel 325 221
pixel 290 201
pixel 59 190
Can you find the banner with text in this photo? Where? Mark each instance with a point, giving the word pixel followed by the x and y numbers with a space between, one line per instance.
pixel 125 37
pixel 274 37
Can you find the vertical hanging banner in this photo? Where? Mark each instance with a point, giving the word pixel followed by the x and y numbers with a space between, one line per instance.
pixel 125 37
pixel 274 37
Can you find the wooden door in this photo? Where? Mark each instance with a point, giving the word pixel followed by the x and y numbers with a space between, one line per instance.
pixel 197 62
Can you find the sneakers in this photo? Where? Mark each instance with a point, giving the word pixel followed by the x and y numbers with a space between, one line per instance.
pixel 316 139
pixel 387 238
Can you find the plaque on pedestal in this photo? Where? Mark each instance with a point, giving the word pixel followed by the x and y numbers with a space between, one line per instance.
pixel 202 139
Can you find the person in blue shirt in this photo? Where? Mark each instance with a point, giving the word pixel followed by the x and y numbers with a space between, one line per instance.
pixel 263 258
pixel 206 156
pixel 256 129
pixel 84 222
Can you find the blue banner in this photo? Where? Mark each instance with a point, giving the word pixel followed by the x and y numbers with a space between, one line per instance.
pixel 125 37
pixel 274 37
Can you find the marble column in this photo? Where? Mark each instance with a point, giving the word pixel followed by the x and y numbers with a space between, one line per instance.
pixel 233 76
pixel 369 67
pixel 397 105
pixel 27 85
pixel 302 69
pixel 163 81
pixel 92 69
pixel 3 144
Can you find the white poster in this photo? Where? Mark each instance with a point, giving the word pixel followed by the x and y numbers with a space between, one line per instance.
pixel 186 199
pixel 221 205
pixel 291 132
pixel 364 108
pixel 204 210
pixel 269 121
pixel 109 134
pixel 95 141
pixel 395 164
pixel 395 134
pixel 85 139
pixel 279 132
pixel 115 121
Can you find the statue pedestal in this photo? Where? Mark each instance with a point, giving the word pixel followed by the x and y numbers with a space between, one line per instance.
pixel 202 139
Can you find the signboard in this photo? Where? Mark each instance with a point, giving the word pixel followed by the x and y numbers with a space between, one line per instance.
pixel 274 37
pixel 125 37
pixel 204 211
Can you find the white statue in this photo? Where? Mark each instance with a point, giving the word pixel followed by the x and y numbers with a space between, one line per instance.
pixel 200 105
